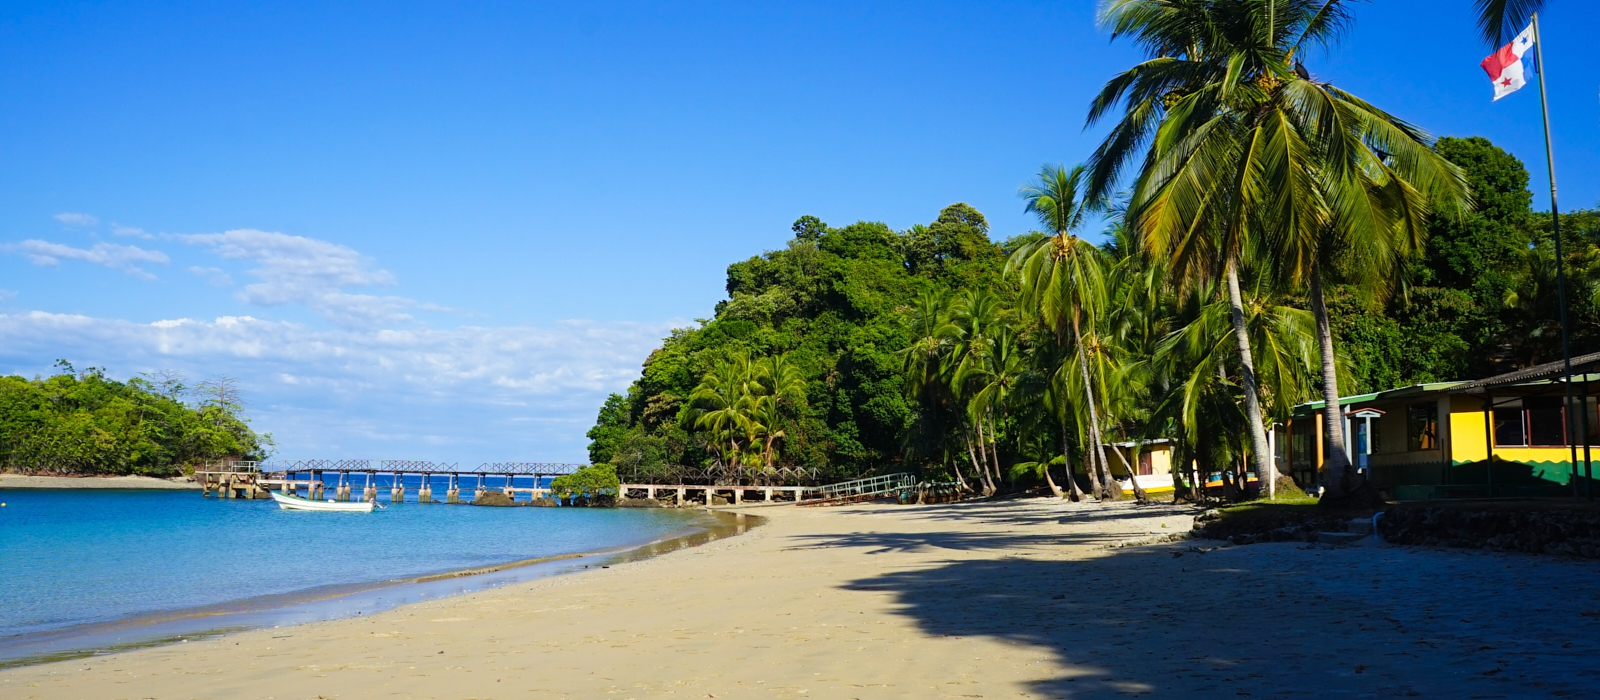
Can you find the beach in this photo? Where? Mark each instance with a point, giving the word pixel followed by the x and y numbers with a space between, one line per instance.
pixel 29 481
pixel 1017 599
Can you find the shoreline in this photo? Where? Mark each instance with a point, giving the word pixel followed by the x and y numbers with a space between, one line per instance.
pixel 336 602
pixel 1030 598
pixel 129 481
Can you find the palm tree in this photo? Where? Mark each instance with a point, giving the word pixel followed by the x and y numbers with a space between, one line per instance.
pixel 977 318
pixel 926 366
pixel 783 385
pixel 993 381
pixel 1249 155
pixel 1500 20
pixel 1063 279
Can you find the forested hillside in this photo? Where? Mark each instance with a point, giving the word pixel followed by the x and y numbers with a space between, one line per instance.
pixel 817 339
pixel 85 423
pixel 834 304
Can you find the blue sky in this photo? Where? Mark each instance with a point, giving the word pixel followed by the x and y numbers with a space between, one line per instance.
pixel 438 231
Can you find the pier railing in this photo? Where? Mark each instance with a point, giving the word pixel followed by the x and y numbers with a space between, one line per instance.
pixel 412 466
pixel 872 487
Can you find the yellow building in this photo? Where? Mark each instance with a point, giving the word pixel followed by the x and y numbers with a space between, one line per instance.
pixel 1151 461
pixel 1439 440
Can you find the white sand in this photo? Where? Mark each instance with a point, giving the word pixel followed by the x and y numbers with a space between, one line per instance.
pixel 1009 600
pixel 21 481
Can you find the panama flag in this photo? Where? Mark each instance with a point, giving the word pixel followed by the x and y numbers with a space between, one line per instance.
pixel 1505 66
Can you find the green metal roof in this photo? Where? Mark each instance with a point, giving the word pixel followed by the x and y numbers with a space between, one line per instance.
pixel 1359 399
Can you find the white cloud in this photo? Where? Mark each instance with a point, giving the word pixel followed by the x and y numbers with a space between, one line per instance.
pixel 521 392
pixel 129 231
pixel 116 257
pixel 7 295
pixel 312 273
pixel 216 277
pixel 72 219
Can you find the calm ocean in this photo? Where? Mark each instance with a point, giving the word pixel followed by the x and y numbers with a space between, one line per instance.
pixel 77 560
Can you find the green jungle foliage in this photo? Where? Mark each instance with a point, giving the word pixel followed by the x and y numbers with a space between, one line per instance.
pixel 85 423
pixel 810 346
pixel 592 480
pixel 1482 299
pixel 835 305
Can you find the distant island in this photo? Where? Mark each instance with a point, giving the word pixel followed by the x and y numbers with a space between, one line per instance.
pixel 85 423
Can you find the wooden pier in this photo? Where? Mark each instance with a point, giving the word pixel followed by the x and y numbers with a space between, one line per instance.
pixel 364 479
pixel 683 494
pixel 232 480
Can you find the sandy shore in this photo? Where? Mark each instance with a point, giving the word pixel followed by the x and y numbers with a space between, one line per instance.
pixel 21 481
pixel 1011 600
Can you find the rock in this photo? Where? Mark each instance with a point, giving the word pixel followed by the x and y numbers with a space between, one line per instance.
pixel 545 502
pixel 494 498
pixel 638 503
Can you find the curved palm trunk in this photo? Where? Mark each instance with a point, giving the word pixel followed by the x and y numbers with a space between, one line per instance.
pixel 1138 491
pixel 1094 415
pixel 1095 443
pixel 1265 471
pixel 1335 461
pixel 956 465
pixel 981 461
pixel 1066 460
pixel 994 450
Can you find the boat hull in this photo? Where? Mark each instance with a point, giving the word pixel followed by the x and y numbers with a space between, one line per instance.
pixel 287 502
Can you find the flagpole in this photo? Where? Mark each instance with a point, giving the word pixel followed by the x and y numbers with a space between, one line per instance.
pixel 1561 273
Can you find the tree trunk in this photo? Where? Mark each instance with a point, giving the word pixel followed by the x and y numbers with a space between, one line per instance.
pixel 1265 471
pixel 955 466
pixel 1138 491
pixel 983 453
pixel 1094 414
pixel 977 471
pixel 994 450
pixel 1066 461
pixel 1335 461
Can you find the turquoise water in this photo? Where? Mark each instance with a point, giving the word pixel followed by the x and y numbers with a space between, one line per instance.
pixel 71 559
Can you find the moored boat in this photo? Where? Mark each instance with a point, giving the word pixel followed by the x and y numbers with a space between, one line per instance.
pixel 288 502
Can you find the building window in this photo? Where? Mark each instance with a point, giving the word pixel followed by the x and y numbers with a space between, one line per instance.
pixel 1422 426
pixel 1145 467
pixel 1545 421
pixel 1302 453
pixel 1508 428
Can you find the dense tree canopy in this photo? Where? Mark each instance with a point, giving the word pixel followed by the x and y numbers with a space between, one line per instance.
pixel 835 304
pixel 86 423
pixel 865 315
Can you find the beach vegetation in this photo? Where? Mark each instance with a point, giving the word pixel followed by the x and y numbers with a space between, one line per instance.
pixel 85 423
pixel 1248 236
pixel 590 481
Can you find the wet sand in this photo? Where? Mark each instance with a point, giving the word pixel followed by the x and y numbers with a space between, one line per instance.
pixel 23 481
pixel 1018 599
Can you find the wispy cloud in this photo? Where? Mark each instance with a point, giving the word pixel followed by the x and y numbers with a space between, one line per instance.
pixel 312 273
pixel 74 219
pixel 215 277
pixel 126 258
pixel 496 392
pixel 130 231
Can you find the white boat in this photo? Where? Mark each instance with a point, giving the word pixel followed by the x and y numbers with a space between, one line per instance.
pixel 288 502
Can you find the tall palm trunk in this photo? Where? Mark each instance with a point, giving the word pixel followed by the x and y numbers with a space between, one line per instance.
pixel 1066 460
pixel 1335 461
pixel 1094 414
pixel 1265 471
